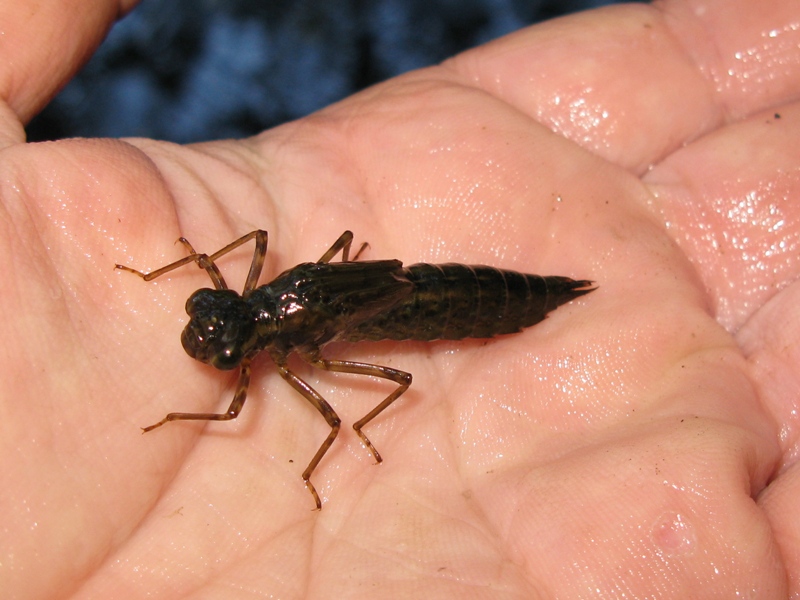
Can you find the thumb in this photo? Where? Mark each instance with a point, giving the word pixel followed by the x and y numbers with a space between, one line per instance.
pixel 43 44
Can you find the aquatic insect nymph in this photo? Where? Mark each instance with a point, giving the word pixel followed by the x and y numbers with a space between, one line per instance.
pixel 306 307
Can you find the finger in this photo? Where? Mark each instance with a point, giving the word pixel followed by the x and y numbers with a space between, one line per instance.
pixel 633 83
pixel 44 43
pixel 780 504
pixel 747 50
pixel 729 200
pixel 769 341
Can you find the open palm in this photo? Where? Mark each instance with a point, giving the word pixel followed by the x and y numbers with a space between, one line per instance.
pixel 640 442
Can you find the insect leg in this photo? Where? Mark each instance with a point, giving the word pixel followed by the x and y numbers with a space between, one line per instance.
pixel 206 262
pixel 401 378
pixel 326 411
pixel 216 277
pixel 364 246
pixel 343 243
pixel 258 256
pixel 233 410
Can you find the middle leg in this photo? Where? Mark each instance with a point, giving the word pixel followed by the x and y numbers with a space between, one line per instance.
pixel 342 244
pixel 401 378
pixel 326 411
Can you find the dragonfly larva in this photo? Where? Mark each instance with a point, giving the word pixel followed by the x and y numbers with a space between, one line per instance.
pixel 312 304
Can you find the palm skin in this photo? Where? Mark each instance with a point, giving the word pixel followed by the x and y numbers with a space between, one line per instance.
pixel 641 441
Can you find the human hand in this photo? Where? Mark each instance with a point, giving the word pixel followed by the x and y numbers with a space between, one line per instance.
pixel 639 442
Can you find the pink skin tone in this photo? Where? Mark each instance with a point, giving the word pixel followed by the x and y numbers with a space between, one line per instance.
pixel 641 442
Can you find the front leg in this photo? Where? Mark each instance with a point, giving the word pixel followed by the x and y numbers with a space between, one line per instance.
pixel 204 261
pixel 233 410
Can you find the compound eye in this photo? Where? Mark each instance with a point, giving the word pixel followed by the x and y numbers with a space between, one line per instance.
pixel 226 359
pixel 201 301
pixel 193 340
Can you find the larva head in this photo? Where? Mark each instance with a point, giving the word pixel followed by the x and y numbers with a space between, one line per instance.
pixel 221 330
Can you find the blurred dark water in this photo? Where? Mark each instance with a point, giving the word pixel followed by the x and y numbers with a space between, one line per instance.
pixel 190 70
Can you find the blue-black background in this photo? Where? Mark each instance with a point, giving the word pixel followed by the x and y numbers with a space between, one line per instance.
pixel 191 70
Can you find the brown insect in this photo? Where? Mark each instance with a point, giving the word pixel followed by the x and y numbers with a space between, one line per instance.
pixel 309 305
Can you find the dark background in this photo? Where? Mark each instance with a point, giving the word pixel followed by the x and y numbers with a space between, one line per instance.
pixel 191 70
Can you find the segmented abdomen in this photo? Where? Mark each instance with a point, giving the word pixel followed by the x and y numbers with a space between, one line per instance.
pixel 454 301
